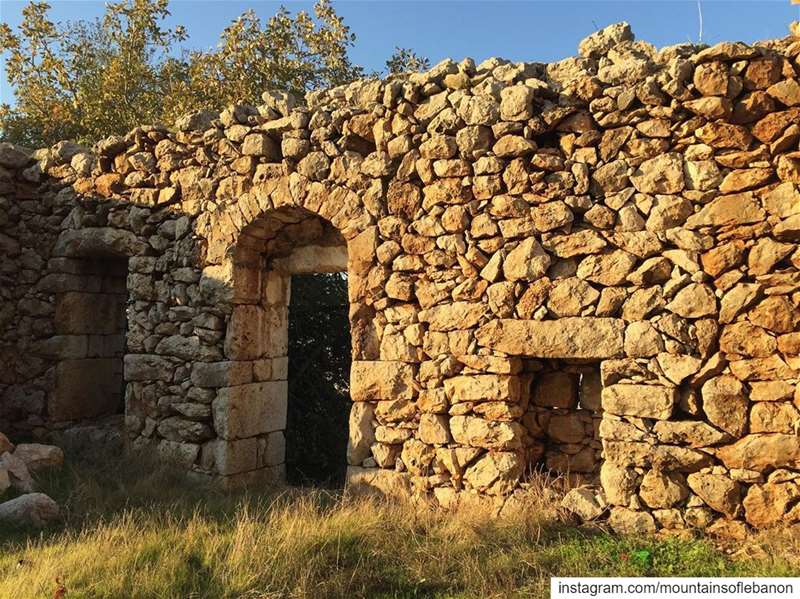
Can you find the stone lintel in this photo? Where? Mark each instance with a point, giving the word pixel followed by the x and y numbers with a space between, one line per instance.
pixel 575 337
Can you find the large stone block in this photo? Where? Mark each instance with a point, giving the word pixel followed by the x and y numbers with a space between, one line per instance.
pixel 376 380
pixel 314 259
pixel 85 389
pixel 725 404
pixel 772 504
pixel 64 347
pixel 83 313
pixel 231 457
pixel 575 337
pixel 98 241
pixel 762 452
pixel 644 401
pixel 221 374
pixel 362 432
pixel 255 332
pixel 663 457
pixel 484 387
pixel 488 434
pixel 450 317
pixel 386 483
pixel 495 473
pixel 147 367
pixel 249 410
pixel 738 209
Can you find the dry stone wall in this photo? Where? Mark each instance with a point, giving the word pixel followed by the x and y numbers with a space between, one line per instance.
pixel 590 265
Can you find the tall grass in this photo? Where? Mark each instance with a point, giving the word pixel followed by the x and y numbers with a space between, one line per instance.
pixel 147 534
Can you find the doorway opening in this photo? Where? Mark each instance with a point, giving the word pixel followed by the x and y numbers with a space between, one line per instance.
pixel 290 324
pixel 319 379
pixel 90 326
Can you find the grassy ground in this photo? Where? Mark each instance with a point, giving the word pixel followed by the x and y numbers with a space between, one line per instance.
pixel 131 531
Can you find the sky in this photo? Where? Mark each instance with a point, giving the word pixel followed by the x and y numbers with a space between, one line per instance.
pixel 542 30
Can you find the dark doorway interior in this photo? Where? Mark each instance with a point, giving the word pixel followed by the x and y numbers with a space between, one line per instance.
pixel 319 378
pixel 90 320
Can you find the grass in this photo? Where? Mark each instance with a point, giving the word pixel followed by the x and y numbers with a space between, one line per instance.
pixel 146 533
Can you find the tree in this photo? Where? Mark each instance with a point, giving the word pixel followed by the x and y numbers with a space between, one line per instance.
pixel 287 53
pixel 404 60
pixel 89 79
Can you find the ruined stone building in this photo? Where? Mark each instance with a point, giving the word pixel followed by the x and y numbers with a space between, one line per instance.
pixel 590 266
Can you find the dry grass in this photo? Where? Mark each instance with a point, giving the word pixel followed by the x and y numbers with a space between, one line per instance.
pixel 148 535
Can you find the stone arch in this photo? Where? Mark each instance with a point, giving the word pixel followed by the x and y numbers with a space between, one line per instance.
pixel 277 239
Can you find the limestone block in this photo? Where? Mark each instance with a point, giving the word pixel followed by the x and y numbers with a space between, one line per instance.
pixel 718 491
pixel 600 42
pixel 630 522
pixel 484 387
pixel 188 348
pixel 572 337
pixel 725 404
pixel 774 417
pixel 80 313
pixel 249 410
pixel 477 432
pixel 231 457
pixel 386 483
pixel 361 431
pixel 772 504
pixel 495 473
pixel 147 367
pixel 662 174
pixel 417 457
pixel 528 261
pixel 662 490
pixel 180 454
pixel 688 432
pixel 619 483
pixel 644 401
pixel 98 241
pixel 762 452
pixel 582 502
pixel 92 387
pixel 18 473
pixel 221 374
pixel 244 338
pixel 272 449
pixel 376 380
pixel 608 269
pixel 175 428
pixel 433 429
pixel 452 316
pixel 736 209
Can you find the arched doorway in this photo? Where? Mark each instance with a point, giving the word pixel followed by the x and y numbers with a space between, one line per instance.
pixel 279 420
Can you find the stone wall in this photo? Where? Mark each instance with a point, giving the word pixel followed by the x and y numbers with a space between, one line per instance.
pixel 590 265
